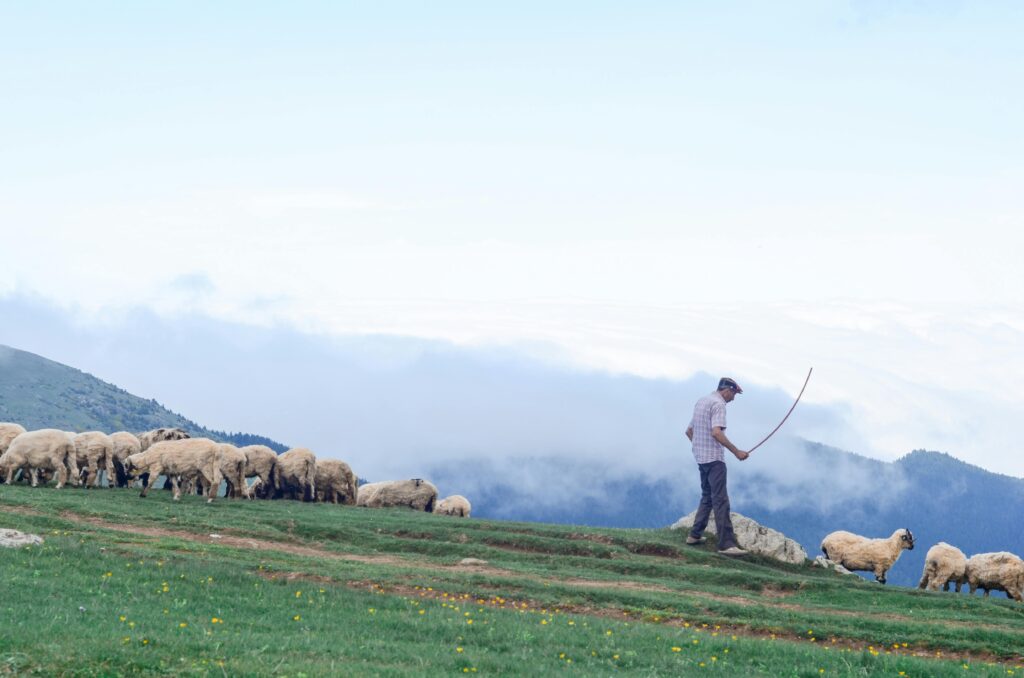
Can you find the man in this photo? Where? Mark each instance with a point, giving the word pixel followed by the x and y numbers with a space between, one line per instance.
pixel 707 433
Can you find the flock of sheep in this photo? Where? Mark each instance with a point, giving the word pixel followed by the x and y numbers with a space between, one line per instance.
pixel 200 464
pixel 943 565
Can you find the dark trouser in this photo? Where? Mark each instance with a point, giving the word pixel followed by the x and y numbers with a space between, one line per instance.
pixel 714 496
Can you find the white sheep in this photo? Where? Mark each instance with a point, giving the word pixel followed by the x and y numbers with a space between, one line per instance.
pixel 47 449
pixel 455 505
pixel 259 463
pixel 94 454
pixel 335 482
pixel 943 564
pixel 858 553
pixel 8 432
pixel 295 474
pixel 1000 571
pixel 417 494
pixel 125 444
pixel 178 460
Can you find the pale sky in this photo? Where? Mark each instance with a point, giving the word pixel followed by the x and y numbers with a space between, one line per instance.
pixel 649 188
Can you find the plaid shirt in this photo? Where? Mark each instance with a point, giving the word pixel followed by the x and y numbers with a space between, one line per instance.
pixel 707 413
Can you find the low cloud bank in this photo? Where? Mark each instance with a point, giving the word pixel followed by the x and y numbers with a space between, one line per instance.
pixel 550 436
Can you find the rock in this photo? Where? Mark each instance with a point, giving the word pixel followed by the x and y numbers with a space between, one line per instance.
pixel 822 561
pixel 15 539
pixel 472 561
pixel 754 537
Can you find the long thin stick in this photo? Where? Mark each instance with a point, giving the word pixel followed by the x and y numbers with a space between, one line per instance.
pixel 785 417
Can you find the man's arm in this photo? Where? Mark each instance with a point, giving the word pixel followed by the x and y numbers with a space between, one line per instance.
pixel 718 433
pixel 689 433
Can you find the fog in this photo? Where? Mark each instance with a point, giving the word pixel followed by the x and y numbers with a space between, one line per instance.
pixel 512 416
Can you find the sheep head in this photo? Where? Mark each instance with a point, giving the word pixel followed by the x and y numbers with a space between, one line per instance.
pixel 906 539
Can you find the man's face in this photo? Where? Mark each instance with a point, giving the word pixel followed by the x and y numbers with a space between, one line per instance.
pixel 728 394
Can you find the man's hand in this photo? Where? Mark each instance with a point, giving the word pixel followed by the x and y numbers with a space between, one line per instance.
pixel 741 455
pixel 689 433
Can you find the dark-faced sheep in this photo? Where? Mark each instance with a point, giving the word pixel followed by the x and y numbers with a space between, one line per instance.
pixel 455 505
pixel 1000 571
pixel 295 475
pixel 858 553
pixel 48 450
pixel 417 494
pixel 943 564
pixel 335 482
pixel 179 460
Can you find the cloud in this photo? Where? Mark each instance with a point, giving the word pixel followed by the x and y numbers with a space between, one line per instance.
pixel 481 417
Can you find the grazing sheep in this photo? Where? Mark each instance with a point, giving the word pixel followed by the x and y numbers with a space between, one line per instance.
pixel 94 451
pixel 1000 571
pixel 160 434
pixel 417 494
pixel 943 564
pixel 47 449
pixel 855 552
pixel 455 505
pixel 259 463
pixel 124 445
pixel 335 482
pixel 8 432
pixel 231 463
pixel 295 475
pixel 178 460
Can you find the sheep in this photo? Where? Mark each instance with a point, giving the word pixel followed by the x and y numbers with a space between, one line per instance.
pixel 943 564
pixel 94 453
pixel 8 432
pixel 295 474
pixel 259 462
pixel 455 505
pixel 160 434
pixel 862 554
pixel 231 464
pixel 124 445
pixel 177 459
pixel 334 481
pixel 47 449
pixel 1000 571
pixel 417 494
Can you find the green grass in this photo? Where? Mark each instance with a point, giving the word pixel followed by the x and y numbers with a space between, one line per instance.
pixel 379 592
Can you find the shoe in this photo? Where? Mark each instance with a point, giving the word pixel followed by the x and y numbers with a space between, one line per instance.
pixel 693 541
pixel 734 551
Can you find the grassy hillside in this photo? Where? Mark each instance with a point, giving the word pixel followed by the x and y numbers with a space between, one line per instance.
pixel 149 586
pixel 40 393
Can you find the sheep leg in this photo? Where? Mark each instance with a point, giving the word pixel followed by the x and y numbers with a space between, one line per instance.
pixel 175 487
pixel 880 575
pixel 62 476
pixel 213 482
pixel 111 474
pixel 923 584
pixel 34 473
pixel 153 473
pixel 94 469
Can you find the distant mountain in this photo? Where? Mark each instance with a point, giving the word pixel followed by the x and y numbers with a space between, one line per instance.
pixel 40 393
pixel 815 489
